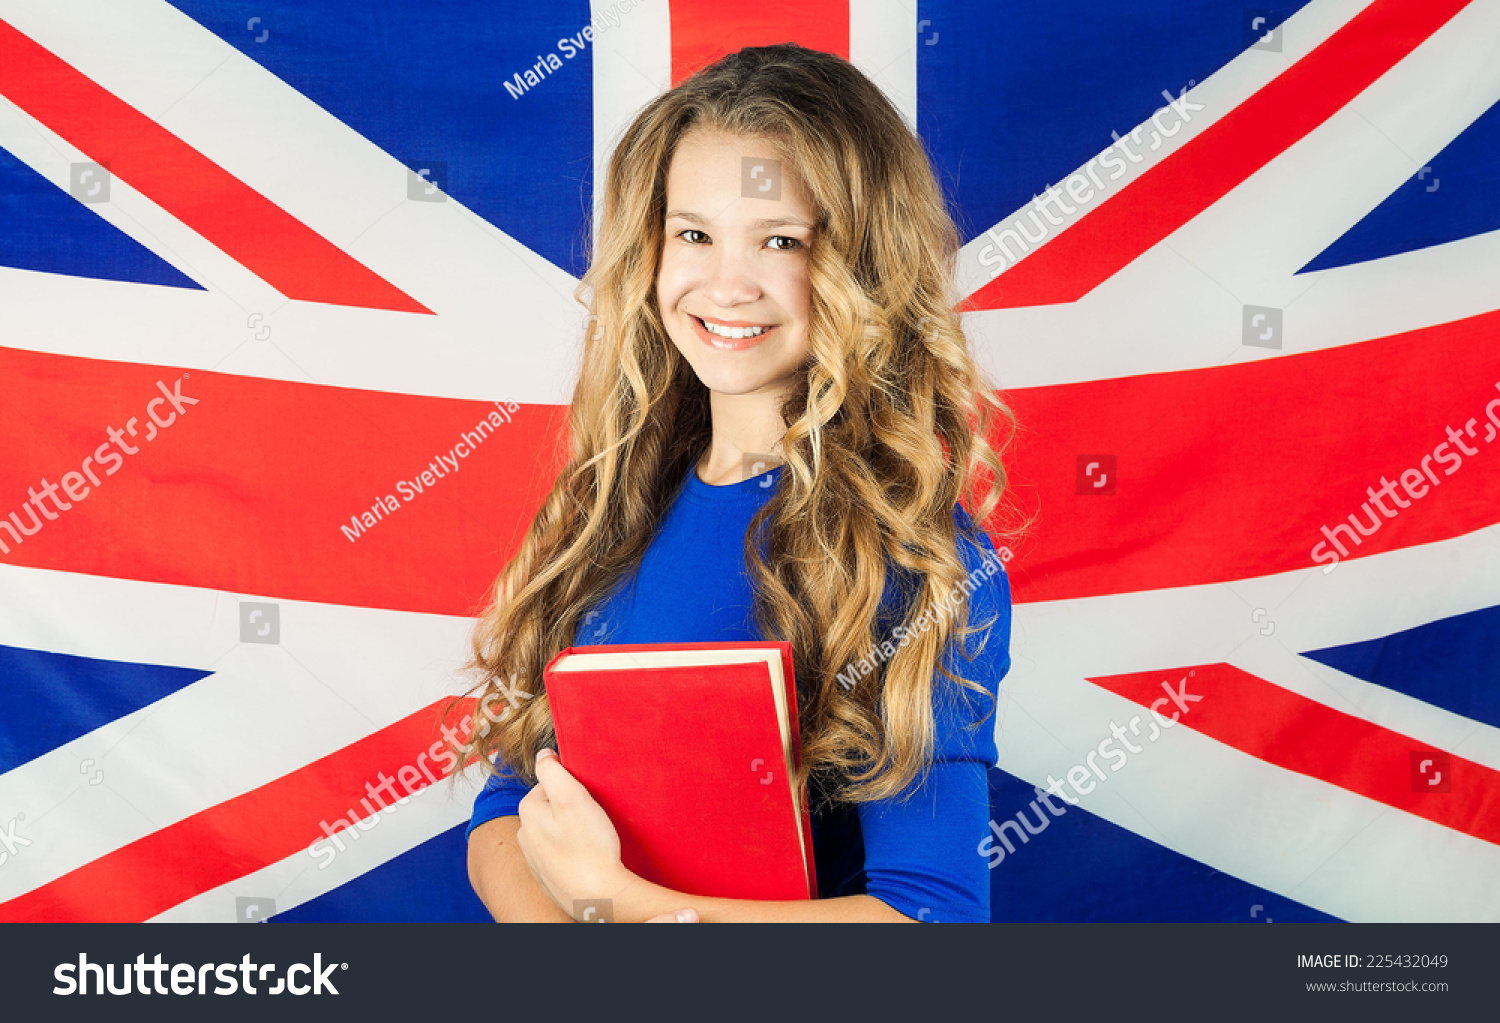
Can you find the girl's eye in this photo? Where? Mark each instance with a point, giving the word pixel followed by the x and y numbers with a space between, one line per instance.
pixel 791 243
pixel 688 236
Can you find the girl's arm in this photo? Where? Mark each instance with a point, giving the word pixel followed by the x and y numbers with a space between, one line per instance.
pixel 499 874
pixel 500 877
pixel 642 900
pixel 573 852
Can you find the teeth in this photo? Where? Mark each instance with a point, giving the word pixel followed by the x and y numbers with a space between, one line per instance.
pixel 733 332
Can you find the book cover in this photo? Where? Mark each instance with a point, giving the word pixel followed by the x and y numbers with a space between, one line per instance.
pixel 691 749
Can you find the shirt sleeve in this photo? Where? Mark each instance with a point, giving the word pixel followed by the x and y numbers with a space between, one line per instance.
pixel 500 797
pixel 921 853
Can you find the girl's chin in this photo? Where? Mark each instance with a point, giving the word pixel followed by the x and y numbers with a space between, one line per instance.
pixel 733 387
pixel 737 384
pixel 751 371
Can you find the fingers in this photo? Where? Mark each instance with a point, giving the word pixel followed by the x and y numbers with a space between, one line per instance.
pixel 682 916
pixel 556 784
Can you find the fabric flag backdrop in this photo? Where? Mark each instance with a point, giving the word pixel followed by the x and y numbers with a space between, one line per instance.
pixel 287 333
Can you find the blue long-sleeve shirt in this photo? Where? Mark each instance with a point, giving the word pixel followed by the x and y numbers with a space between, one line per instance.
pixel 918 856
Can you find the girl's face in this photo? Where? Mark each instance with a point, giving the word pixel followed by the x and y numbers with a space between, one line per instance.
pixel 732 281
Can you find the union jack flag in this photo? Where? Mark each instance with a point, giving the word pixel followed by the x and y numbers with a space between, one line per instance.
pixel 287 334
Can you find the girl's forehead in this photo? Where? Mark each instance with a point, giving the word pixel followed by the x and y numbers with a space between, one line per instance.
pixel 709 146
pixel 715 167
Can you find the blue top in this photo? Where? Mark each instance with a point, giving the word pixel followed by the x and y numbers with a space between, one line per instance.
pixel 919 856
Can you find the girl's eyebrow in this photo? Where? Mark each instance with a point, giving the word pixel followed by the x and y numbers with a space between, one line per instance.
pixel 763 222
pixel 781 222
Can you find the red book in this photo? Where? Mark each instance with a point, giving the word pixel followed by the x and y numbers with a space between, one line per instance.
pixel 691 749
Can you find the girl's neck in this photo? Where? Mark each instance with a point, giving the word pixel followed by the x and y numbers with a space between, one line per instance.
pixel 747 432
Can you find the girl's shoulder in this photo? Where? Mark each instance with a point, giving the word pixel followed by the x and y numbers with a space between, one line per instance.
pixel 985 654
pixel 985 568
pixel 983 591
pixel 984 585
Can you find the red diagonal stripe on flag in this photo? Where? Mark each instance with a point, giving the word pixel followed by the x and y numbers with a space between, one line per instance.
pixel 239 836
pixel 1282 728
pixel 1208 167
pixel 264 238
pixel 705 30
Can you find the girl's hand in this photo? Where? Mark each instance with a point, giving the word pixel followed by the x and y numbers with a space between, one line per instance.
pixel 567 839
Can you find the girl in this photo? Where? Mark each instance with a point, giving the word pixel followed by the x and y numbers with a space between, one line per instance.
pixel 776 419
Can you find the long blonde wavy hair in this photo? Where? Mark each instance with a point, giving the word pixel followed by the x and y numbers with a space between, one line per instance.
pixel 887 431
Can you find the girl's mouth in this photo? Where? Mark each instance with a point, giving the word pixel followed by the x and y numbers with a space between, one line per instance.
pixel 730 336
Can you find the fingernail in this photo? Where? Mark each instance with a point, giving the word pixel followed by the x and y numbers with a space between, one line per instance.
pixel 687 916
pixel 545 752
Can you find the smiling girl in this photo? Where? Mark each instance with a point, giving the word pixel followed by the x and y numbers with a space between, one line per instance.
pixel 775 435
